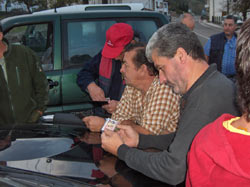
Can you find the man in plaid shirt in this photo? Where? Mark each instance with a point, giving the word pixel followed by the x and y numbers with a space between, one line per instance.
pixel 146 105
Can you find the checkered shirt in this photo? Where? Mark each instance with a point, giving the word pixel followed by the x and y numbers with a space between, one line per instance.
pixel 157 111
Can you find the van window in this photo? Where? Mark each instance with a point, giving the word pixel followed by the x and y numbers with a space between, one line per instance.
pixel 122 7
pixel 144 28
pixel 84 39
pixel 37 37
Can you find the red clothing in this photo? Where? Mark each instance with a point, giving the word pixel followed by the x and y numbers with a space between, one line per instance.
pixel 219 157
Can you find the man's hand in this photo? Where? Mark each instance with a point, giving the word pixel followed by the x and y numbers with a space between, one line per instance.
pixel 95 92
pixel 111 106
pixel 40 112
pixel 34 117
pixel 136 127
pixel 111 141
pixel 94 123
pixel 129 136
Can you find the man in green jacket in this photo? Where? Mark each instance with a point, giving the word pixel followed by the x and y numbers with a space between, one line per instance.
pixel 23 84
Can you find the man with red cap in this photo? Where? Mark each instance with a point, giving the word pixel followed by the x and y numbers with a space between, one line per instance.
pixel 105 68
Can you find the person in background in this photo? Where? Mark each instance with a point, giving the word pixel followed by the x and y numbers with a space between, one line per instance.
pixel 220 154
pixel 188 20
pixel 147 106
pixel 206 94
pixel 221 48
pixel 105 68
pixel 23 84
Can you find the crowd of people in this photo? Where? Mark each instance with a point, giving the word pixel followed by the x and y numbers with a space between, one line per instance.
pixel 208 102
pixel 206 94
pixel 188 102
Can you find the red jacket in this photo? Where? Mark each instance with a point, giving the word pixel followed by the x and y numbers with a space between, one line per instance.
pixel 219 157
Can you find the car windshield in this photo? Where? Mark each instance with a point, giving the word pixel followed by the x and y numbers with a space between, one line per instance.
pixel 68 152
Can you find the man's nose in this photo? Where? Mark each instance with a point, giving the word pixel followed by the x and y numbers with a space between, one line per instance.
pixel 122 69
pixel 162 78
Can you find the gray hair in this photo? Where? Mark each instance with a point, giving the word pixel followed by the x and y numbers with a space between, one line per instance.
pixel 186 15
pixel 167 39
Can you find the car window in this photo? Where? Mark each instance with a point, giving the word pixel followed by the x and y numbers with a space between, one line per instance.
pixel 84 39
pixel 143 28
pixel 38 37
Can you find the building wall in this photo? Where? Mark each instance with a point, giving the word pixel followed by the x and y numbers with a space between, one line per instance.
pixel 147 3
pixel 218 8
pixel 215 8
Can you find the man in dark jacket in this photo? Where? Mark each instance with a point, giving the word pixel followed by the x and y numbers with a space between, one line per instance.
pixel 105 69
pixel 221 48
pixel 206 94
pixel 23 84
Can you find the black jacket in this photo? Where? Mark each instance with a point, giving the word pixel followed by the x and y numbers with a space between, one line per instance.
pixel 218 42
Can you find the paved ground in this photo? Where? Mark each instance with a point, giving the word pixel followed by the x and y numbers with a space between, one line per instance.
pixel 211 24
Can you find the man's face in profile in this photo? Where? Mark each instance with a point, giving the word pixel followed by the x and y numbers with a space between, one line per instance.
pixel 170 72
pixel 129 70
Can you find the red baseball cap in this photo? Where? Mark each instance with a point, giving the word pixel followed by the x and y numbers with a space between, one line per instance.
pixel 117 37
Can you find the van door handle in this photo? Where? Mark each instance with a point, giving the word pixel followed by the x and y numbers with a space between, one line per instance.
pixel 52 83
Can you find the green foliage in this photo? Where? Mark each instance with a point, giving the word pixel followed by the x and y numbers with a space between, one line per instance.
pixel 180 6
pixel 28 3
pixel 196 6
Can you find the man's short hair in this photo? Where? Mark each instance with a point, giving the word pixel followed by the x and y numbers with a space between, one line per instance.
pixel 231 17
pixel 1 28
pixel 242 66
pixel 140 57
pixel 166 40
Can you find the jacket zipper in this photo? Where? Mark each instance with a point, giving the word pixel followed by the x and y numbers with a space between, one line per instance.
pixel 11 105
pixel 18 76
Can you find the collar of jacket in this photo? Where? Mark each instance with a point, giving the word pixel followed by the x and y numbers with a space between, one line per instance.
pixel 235 34
pixel 6 53
pixel 209 72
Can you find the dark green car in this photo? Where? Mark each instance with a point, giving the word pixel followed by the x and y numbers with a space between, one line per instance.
pixel 65 41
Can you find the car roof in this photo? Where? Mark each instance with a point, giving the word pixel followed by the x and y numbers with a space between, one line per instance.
pixel 94 7
pixel 48 16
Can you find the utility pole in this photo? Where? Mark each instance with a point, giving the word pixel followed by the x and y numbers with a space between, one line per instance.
pixel 227 7
pixel 213 12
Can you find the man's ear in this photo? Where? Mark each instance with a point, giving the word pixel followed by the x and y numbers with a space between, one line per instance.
pixel 181 55
pixel 143 69
pixel 1 36
pixel 133 41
